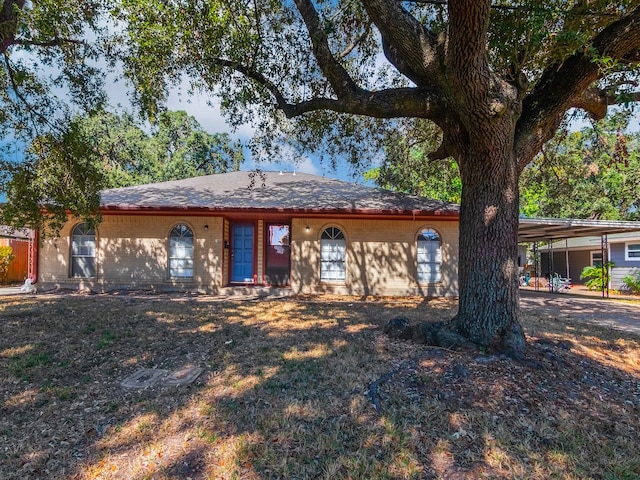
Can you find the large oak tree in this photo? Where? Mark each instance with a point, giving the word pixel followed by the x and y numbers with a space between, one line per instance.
pixel 496 77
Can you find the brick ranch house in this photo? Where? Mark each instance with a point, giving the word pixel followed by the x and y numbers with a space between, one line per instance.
pixel 309 233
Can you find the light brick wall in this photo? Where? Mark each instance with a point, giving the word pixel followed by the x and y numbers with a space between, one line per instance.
pixel 381 257
pixel 260 261
pixel 131 252
pixel 225 254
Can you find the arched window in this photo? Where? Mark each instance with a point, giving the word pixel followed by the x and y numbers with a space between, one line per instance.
pixel 83 251
pixel 332 254
pixel 429 256
pixel 181 252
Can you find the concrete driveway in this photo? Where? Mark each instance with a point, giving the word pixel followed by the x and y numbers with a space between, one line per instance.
pixel 613 313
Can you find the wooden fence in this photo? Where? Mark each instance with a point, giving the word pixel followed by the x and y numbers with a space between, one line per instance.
pixel 19 267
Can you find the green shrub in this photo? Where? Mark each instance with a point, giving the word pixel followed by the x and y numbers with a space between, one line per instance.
pixel 6 257
pixel 632 283
pixel 597 277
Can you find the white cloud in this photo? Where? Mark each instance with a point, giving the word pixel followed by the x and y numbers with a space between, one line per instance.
pixel 206 109
pixel 307 166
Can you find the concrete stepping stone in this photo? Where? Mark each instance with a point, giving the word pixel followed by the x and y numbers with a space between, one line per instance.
pixel 184 376
pixel 144 378
pixel 148 377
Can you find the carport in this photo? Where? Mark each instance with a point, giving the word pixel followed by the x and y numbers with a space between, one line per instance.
pixel 549 230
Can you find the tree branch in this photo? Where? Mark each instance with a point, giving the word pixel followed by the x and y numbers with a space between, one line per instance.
pixel 596 101
pixel 14 86
pixel 339 79
pixel 389 103
pixel 563 85
pixel 56 42
pixel 443 151
pixel 355 43
pixel 392 103
pixel 407 44
pixel 256 76
pixel 592 101
pixel 9 22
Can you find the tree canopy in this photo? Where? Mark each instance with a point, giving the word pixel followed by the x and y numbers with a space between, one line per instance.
pixel 177 147
pixel 312 61
pixel 48 69
pixel 406 166
pixel 48 75
pixel 592 173
pixel 66 170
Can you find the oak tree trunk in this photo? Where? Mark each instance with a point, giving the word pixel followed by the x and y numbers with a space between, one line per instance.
pixel 488 312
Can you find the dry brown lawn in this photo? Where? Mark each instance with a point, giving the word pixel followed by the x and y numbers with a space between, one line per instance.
pixel 285 393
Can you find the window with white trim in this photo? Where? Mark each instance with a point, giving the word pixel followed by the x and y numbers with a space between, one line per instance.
pixel 333 251
pixel 632 252
pixel 181 252
pixel 596 258
pixel 83 251
pixel 429 256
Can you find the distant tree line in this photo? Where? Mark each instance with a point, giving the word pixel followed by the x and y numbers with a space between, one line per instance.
pixel 67 169
pixel 591 173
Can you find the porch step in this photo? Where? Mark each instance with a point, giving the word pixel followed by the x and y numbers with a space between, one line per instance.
pixel 260 292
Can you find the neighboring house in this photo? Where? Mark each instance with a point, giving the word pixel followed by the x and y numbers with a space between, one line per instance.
pixel 312 234
pixel 21 243
pixel 623 249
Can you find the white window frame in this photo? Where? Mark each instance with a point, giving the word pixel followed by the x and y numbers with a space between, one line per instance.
pixel 180 252
pixel 428 258
pixel 592 261
pixel 333 255
pixel 632 254
pixel 83 251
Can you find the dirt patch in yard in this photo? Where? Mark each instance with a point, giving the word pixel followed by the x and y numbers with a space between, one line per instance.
pixel 286 393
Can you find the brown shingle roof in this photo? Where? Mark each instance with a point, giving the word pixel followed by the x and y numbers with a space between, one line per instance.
pixel 298 192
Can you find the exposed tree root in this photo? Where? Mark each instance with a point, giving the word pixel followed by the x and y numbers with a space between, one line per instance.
pixel 437 334
pixel 444 335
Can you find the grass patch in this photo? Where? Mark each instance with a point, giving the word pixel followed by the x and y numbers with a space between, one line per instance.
pixel 284 393
pixel 22 366
pixel 107 339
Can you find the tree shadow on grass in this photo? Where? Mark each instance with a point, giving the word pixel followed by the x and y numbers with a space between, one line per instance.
pixel 283 396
